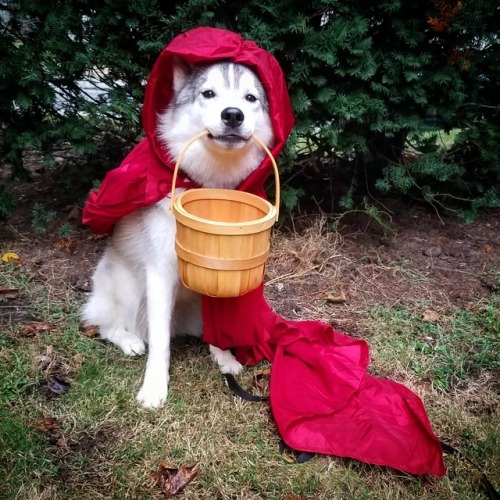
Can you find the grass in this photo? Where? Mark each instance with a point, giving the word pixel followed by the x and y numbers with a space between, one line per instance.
pixel 444 352
pixel 454 362
pixel 105 446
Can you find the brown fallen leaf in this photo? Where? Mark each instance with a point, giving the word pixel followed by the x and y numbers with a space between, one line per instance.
pixel 261 378
pixel 487 248
pixel 46 424
pixel 91 331
pixel 337 299
pixel 66 244
pixel 34 328
pixel 430 316
pixel 9 293
pixel 171 480
pixel 75 213
pixel 265 372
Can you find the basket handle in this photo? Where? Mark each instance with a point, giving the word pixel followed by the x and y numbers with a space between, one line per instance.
pixel 256 139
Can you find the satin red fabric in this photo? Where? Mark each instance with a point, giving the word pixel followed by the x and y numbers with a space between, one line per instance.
pixel 322 398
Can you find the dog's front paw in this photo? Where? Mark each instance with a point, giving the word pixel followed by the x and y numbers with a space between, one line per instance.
pixel 226 361
pixel 153 395
pixel 130 343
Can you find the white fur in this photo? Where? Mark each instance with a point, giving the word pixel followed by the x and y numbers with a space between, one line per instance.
pixel 137 296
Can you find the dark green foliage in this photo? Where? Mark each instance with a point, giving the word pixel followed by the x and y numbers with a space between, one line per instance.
pixel 55 54
pixel 41 218
pixel 6 202
pixel 372 83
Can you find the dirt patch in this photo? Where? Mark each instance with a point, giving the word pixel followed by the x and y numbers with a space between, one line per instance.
pixel 83 456
pixel 461 258
pixel 317 273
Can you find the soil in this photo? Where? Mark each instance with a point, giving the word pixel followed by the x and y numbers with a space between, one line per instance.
pixel 424 256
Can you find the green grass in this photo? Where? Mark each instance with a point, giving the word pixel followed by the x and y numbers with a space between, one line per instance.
pixel 23 451
pixel 106 446
pixel 457 346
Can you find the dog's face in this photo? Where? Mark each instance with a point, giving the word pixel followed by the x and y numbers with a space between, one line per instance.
pixel 230 102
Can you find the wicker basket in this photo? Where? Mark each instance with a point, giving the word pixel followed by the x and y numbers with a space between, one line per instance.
pixel 223 236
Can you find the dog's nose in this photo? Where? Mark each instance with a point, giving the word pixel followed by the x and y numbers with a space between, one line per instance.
pixel 232 117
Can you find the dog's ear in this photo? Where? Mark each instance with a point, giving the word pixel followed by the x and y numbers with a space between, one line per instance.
pixel 181 71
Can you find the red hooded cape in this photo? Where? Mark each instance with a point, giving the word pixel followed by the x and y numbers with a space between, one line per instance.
pixel 322 398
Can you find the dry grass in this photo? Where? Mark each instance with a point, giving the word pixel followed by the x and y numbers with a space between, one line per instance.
pixel 105 446
pixel 311 271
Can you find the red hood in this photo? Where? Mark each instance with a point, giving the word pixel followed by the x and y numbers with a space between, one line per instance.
pixel 210 45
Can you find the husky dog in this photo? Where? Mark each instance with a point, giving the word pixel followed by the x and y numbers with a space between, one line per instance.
pixel 137 296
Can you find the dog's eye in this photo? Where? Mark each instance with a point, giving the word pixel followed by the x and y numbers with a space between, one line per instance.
pixel 208 94
pixel 250 98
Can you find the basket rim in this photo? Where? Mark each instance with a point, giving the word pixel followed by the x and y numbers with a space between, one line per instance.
pixel 222 194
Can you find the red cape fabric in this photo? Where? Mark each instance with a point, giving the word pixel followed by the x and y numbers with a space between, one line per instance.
pixel 322 398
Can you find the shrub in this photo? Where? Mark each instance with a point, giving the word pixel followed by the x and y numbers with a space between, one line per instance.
pixel 369 82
